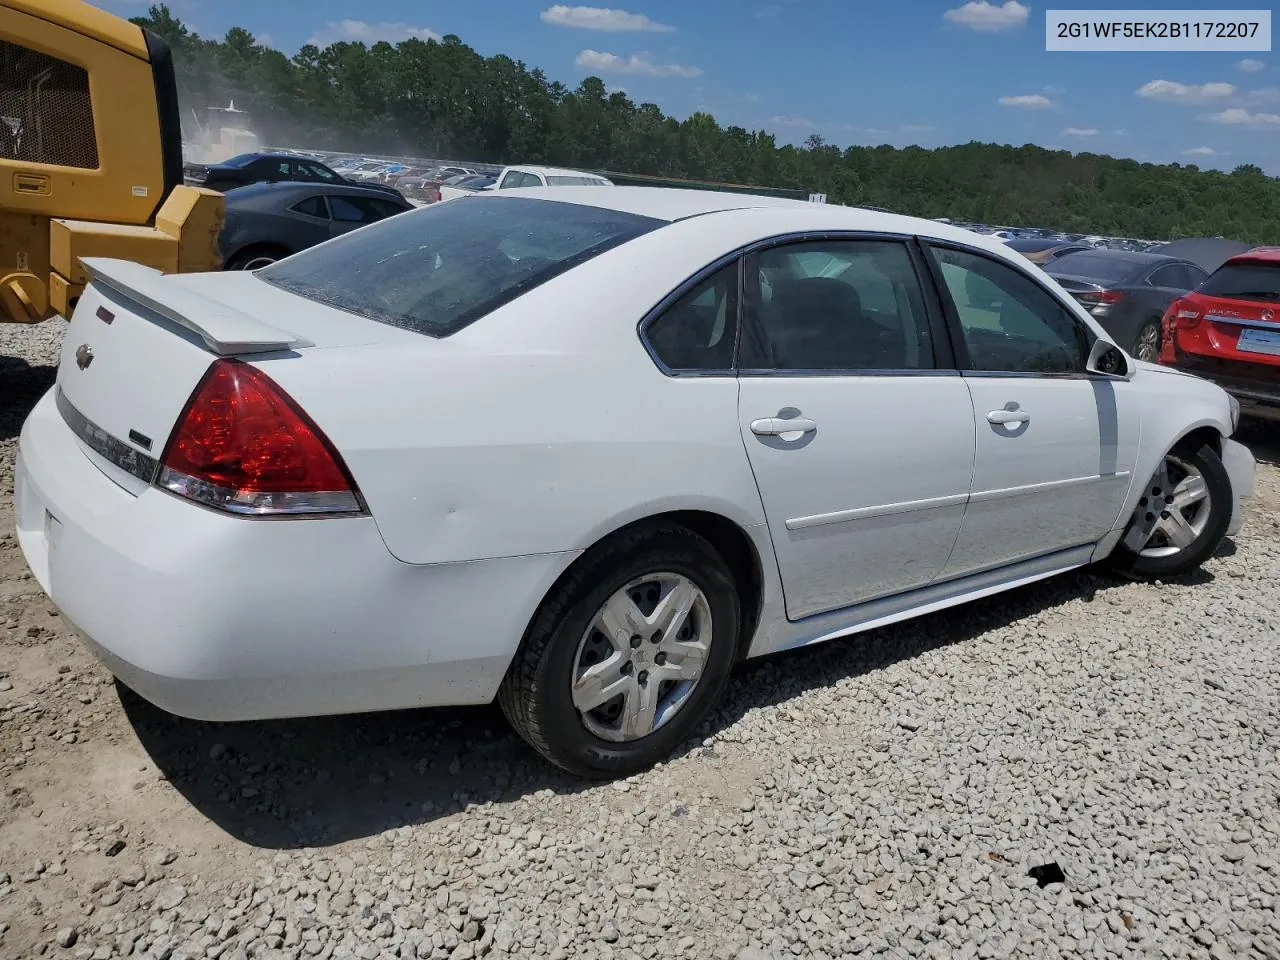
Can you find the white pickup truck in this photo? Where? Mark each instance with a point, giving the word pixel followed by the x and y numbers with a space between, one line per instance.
pixel 547 177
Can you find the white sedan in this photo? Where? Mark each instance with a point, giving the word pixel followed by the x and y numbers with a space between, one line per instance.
pixel 582 450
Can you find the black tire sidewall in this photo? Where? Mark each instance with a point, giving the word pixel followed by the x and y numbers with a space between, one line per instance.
pixel 1221 498
pixel 577 748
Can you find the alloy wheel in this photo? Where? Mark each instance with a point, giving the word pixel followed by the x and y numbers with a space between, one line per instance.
pixel 1173 511
pixel 1147 348
pixel 641 656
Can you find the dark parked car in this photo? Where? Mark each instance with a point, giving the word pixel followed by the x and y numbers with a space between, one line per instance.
pixel 1127 292
pixel 250 168
pixel 1042 250
pixel 268 221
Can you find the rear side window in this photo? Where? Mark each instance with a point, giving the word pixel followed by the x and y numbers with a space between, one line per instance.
pixel 447 265
pixel 312 207
pixel 696 333
pixel 46 115
pixel 559 181
pixel 1245 281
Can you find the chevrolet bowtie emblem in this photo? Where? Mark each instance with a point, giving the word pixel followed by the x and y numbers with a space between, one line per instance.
pixel 84 356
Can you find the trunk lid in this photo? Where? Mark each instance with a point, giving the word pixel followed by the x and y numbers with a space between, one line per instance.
pixel 1234 328
pixel 139 342
pixel 1076 285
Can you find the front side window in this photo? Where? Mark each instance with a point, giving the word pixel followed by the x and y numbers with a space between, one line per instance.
pixel 319 172
pixel 442 267
pixel 839 305
pixel 1010 323
pixel 696 333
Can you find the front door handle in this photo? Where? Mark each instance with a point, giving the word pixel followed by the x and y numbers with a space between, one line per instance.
pixel 776 426
pixel 1008 416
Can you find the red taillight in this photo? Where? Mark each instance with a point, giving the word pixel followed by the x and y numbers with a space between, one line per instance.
pixel 1183 314
pixel 242 445
pixel 1099 298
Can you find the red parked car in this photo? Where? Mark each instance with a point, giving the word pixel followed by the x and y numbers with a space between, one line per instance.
pixel 1228 330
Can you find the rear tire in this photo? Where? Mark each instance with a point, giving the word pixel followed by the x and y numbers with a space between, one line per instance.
pixel 1146 345
pixel 255 258
pixel 569 660
pixel 1169 538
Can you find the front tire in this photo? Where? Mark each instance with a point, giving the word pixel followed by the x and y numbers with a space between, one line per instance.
pixel 1181 519
pixel 627 655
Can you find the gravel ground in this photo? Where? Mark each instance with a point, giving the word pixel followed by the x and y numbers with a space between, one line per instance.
pixel 885 795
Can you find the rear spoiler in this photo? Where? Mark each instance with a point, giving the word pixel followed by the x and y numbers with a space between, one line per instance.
pixel 224 330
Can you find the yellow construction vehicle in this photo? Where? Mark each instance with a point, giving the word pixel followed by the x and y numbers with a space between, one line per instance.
pixel 90 156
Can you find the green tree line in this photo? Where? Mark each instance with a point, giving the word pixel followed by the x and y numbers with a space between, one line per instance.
pixel 443 99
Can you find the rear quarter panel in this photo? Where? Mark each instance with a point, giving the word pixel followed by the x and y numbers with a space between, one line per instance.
pixel 541 427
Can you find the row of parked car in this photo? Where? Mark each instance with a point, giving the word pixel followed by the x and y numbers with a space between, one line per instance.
pixel 1208 306
pixel 279 203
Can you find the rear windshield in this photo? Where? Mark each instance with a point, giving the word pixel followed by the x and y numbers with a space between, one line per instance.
pixel 1094 266
pixel 240 160
pixel 1244 281
pixel 555 180
pixel 440 268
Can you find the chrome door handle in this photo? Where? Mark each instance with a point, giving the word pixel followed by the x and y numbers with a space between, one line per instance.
pixel 776 426
pixel 1008 416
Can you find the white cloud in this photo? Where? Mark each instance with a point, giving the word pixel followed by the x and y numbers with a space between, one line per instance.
pixel 264 40
pixel 1032 101
pixel 1079 132
pixel 1251 66
pixel 362 31
pixel 1172 92
pixel 787 121
pixel 604 19
pixel 989 17
pixel 1236 116
pixel 1205 152
pixel 637 64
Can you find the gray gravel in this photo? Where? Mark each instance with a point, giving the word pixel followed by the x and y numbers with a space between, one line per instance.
pixel 882 796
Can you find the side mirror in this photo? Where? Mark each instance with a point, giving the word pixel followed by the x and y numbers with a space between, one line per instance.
pixel 1109 360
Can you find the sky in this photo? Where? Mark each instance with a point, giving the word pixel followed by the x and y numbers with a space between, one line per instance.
pixel 927 72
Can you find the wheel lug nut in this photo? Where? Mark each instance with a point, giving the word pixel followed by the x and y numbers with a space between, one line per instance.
pixel 643 676
pixel 627 668
pixel 1164 514
pixel 656 638
pixel 1142 502
pixel 660 659
pixel 1168 498
pixel 1151 516
pixel 635 642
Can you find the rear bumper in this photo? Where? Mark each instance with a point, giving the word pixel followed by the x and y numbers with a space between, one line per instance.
pixel 223 618
pixel 1255 385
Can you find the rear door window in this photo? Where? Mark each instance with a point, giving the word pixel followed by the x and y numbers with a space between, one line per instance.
pixel 444 266
pixel 354 209
pixel 1245 281
pixel 312 207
